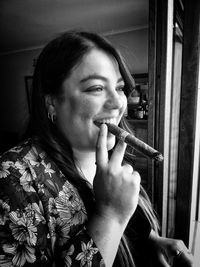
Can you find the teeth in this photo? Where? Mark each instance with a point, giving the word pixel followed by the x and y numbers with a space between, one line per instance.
pixel 112 120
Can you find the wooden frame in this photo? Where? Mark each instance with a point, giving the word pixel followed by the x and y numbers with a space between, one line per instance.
pixel 160 48
pixel 188 105
pixel 160 67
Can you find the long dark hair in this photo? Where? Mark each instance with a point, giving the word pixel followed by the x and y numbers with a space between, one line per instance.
pixel 54 65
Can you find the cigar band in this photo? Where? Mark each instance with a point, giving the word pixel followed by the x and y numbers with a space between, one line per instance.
pixel 122 136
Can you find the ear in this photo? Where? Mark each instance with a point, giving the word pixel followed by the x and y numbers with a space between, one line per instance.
pixel 50 104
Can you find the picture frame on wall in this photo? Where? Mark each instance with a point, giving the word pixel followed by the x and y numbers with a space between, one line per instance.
pixel 141 78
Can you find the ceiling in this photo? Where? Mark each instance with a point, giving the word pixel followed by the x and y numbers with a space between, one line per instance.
pixel 26 24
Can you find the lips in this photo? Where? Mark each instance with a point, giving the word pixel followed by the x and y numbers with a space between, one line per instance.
pixel 97 123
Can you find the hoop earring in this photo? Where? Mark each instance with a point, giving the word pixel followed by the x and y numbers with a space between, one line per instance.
pixel 52 117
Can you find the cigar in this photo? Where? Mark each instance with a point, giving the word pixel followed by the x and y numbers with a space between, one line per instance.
pixel 134 142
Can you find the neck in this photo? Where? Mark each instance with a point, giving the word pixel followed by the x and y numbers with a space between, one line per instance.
pixel 85 162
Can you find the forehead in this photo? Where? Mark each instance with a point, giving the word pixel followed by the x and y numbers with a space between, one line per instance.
pixel 97 60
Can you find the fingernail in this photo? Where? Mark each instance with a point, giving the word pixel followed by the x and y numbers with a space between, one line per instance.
pixel 103 126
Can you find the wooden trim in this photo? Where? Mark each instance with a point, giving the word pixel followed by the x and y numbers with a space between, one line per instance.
pixel 151 96
pixel 157 81
pixel 160 79
pixel 191 50
pixel 166 95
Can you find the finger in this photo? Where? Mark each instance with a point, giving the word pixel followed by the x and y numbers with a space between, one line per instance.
pixel 183 255
pixel 118 153
pixel 101 147
pixel 162 260
pixel 185 258
pixel 188 258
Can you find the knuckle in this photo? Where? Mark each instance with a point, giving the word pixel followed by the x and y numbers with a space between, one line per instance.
pixel 179 243
pixel 137 177
pixel 128 168
pixel 111 171
pixel 98 146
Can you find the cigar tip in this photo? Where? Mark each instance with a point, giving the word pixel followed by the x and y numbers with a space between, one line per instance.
pixel 159 157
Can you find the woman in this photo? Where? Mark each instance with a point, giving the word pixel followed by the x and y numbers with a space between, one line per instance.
pixel 69 193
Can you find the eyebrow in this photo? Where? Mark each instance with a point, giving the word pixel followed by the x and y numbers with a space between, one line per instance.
pixel 97 77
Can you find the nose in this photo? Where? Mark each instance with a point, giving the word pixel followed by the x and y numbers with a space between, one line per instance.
pixel 114 101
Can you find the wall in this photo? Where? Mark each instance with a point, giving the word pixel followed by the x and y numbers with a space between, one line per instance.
pixel 15 66
pixel 134 47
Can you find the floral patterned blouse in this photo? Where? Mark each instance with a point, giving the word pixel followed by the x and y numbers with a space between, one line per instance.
pixel 41 213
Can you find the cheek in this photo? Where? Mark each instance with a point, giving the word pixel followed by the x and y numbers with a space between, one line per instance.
pixel 83 107
pixel 124 105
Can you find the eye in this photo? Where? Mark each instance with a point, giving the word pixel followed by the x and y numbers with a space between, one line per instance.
pixel 94 89
pixel 120 88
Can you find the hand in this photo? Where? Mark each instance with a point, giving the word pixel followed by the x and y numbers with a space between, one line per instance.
pixel 171 251
pixel 116 187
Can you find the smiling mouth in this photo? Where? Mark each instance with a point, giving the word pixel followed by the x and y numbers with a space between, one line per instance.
pixel 106 120
pixel 111 121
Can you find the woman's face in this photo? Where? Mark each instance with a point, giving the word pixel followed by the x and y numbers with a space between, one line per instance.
pixel 93 92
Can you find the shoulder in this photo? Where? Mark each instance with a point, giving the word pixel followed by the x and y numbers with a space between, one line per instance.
pixel 18 173
pixel 10 160
pixel 17 159
pixel 16 153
